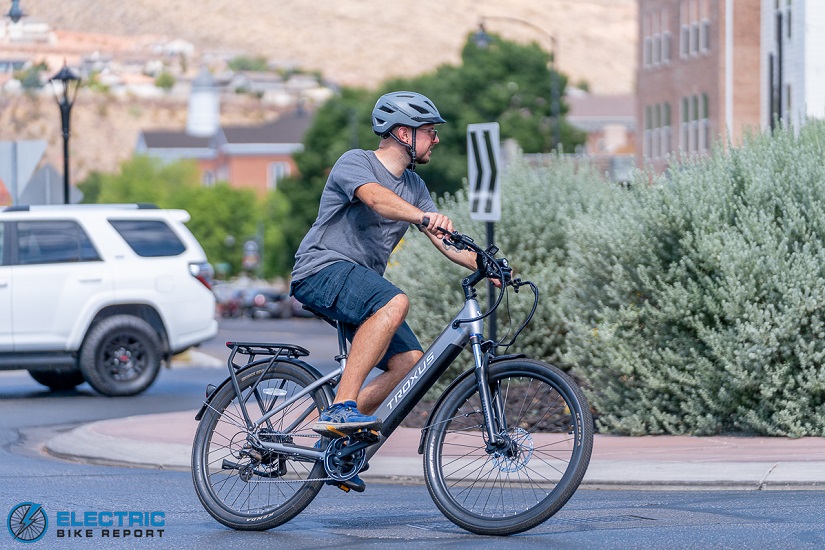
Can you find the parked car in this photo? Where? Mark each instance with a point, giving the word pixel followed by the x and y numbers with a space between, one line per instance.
pixel 100 293
pixel 262 303
pixel 228 300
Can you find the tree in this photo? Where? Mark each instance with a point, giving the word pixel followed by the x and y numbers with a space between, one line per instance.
pixel 504 82
pixel 221 217
pixel 165 81
pixel 244 63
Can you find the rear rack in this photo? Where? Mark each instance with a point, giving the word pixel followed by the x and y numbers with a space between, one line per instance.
pixel 266 349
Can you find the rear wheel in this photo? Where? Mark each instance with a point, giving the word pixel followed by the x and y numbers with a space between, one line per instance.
pixel 545 437
pixel 241 484
pixel 58 379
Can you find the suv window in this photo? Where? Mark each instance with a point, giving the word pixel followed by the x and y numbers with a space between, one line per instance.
pixel 149 238
pixel 54 241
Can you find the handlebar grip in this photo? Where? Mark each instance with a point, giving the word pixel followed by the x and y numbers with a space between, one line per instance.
pixel 425 220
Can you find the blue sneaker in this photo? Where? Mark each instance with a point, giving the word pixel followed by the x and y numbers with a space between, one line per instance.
pixel 342 419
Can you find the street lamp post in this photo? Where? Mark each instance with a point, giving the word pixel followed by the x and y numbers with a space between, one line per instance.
pixel 483 40
pixel 65 96
pixel 15 13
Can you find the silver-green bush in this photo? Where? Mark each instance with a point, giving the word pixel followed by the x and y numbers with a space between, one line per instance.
pixel 692 303
pixel 696 304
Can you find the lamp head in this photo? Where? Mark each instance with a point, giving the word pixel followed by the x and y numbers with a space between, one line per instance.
pixel 15 13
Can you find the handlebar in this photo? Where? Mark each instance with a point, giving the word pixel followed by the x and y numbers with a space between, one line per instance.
pixel 488 266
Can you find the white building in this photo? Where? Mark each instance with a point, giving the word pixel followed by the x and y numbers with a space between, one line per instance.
pixel 793 64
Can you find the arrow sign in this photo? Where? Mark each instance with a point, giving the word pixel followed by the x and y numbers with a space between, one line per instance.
pixel 483 161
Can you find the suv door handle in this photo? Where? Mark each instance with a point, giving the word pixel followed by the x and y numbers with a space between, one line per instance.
pixel 90 279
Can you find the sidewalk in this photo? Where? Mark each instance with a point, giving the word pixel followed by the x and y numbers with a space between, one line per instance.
pixel 654 462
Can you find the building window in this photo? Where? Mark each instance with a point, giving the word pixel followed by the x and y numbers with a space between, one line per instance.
pixel 788 102
pixel 656 39
pixel 694 38
pixel 684 130
pixel 705 122
pixel 694 123
pixel 705 35
pixel 209 179
pixel 648 52
pixel 657 123
pixel 276 171
pixel 646 146
pixel 788 16
pixel 694 23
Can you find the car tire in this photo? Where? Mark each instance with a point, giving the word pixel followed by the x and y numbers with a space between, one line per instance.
pixel 58 380
pixel 121 356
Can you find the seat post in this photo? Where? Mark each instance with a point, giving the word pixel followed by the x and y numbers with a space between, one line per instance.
pixel 342 344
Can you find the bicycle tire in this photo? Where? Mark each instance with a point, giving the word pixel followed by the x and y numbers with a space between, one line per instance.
pixel 550 428
pixel 279 487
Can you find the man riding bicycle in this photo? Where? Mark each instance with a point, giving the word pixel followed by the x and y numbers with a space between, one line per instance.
pixel 368 203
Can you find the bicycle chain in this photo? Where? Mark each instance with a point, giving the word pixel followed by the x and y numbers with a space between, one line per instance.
pixel 311 436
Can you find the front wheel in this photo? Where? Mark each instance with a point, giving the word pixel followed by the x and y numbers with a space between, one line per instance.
pixel 245 486
pixel 544 441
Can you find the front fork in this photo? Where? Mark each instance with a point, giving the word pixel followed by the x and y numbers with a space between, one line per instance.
pixel 492 406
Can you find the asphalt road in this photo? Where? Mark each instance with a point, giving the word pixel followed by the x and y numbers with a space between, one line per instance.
pixel 385 516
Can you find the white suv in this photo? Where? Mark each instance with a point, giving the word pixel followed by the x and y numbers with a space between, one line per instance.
pixel 101 293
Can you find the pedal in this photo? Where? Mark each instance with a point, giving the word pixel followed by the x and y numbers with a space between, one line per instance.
pixel 342 430
pixel 350 485
pixel 367 436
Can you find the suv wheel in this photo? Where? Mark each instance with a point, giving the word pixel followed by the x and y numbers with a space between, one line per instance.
pixel 121 356
pixel 59 379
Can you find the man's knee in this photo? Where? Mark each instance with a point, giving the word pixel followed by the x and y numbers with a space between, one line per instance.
pixel 397 308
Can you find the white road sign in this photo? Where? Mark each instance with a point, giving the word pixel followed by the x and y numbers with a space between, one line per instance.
pixel 483 162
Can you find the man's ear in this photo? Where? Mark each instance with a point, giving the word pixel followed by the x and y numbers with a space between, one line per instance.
pixel 404 134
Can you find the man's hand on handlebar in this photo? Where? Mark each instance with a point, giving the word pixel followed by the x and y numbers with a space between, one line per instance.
pixel 436 223
pixel 441 226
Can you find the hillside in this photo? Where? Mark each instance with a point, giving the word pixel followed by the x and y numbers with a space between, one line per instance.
pixel 359 42
pixel 351 42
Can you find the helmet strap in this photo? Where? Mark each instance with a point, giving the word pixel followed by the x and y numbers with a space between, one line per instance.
pixel 410 148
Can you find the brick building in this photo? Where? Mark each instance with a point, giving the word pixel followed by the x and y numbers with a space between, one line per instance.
pixel 698 77
pixel 254 156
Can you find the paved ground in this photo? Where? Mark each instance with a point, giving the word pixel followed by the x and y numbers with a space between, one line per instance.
pixel 165 441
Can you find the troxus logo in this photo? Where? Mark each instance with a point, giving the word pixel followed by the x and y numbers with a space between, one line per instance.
pixel 27 522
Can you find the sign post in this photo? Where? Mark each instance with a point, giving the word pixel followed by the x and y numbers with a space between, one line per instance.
pixel 483 162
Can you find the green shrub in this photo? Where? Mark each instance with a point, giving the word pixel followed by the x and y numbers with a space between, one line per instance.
pixel 696 303
pixel 537 204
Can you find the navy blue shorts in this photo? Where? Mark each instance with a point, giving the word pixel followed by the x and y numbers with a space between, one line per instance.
pixel 350 294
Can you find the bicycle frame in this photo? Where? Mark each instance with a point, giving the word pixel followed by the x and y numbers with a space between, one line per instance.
pixel 438 356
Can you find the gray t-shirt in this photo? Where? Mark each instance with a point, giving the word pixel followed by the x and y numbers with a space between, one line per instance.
pixel 347 229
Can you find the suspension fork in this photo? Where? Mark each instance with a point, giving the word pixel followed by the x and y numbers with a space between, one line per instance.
pixel 491 423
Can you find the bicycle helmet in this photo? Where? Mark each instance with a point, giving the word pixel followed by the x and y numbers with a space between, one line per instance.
pixel 404 109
